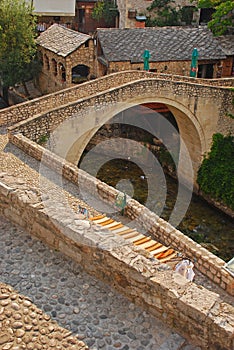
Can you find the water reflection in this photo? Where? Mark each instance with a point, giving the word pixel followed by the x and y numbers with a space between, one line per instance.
pixel 202 223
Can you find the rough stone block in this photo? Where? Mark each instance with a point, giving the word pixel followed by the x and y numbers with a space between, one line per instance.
pixel 70 251
pixel 197 303
pixel 5 190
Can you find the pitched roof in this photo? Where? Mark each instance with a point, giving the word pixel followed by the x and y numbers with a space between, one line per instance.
pixel 227 44
pixel 61 40
pixel 164 43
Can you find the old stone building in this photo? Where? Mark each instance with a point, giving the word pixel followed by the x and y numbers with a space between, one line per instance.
pixel 170 50
pixel 132 12
pixel 53 11
pixel 227 44
pixel 77 14
pixel 70 57
pixel 74 14
pixel 67 58
pixel 84 20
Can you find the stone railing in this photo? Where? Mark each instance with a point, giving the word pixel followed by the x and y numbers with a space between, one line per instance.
pixel 198 314
pixel 42 124
pixel 25 110
pixel 206 262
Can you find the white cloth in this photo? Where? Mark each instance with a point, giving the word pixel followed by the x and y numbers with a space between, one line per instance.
pixel 185 268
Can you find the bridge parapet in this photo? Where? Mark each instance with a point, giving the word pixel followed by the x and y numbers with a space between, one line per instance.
pixel 22 111
pixel 204 103
pixel 200 111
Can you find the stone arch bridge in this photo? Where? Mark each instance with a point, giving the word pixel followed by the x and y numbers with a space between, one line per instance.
pixel 200 107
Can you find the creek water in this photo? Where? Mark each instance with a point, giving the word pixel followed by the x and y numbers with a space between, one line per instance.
pixel 202 222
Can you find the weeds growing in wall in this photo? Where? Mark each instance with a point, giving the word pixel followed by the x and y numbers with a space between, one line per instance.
pixel 215 176
pixel 43 139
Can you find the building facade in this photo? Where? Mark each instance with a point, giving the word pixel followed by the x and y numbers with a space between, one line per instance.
pixel 77 14
pixel 66 56
pixel 131 11
pixel 170 50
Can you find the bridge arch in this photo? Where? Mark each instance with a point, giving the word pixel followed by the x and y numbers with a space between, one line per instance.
pixel 190 130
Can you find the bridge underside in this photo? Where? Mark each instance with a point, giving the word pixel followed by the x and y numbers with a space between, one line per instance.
pixel 191 139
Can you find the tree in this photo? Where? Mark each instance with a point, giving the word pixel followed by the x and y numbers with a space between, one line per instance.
pixel 106 9
pixel 17 43
pixel 222 18
pixel 163 14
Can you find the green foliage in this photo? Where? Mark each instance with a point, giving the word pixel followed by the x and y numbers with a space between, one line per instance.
pixel 231 115
pixel 222 18
pixel 98 10
pixel 105 9
pixel 43 139
pixel 186 14
pixel 164 14
pixel 160 4
pixel 17 41
pixel 215 176
pixel 208 3
pixel 166 159
pixel 165 18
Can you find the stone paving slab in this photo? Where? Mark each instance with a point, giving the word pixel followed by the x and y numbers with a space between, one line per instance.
pixel 88 308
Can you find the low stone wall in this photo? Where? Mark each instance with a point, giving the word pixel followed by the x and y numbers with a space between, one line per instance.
pixel 198 314
pixel 14 114
pixel 206 262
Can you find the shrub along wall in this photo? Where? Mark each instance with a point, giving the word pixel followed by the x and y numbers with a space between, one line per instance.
pixel 215 176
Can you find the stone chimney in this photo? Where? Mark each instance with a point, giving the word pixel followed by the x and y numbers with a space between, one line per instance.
pixel 140 21
pixel 140 24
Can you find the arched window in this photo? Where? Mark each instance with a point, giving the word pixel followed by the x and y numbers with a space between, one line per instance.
pixel 80 73
pixel 40 58
pixel 47 62
pixel 54 67
pixel 62 72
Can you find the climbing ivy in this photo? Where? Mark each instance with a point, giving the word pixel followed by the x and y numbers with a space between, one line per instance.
pixel 105 9
pixel 215 176
pixel 223 16
pixel 166 15
pixel 43 139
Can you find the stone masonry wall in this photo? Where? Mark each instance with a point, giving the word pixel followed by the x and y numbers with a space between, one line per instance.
pixel 206 262
pixel 14 114
pixel 203 102
pixel 168 67
pixel 49 81
pixel 198 314
pixel 43 124
pixel 141 7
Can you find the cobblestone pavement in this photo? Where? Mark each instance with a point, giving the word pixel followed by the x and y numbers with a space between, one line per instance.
pixel 19 164
pixel 101 317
